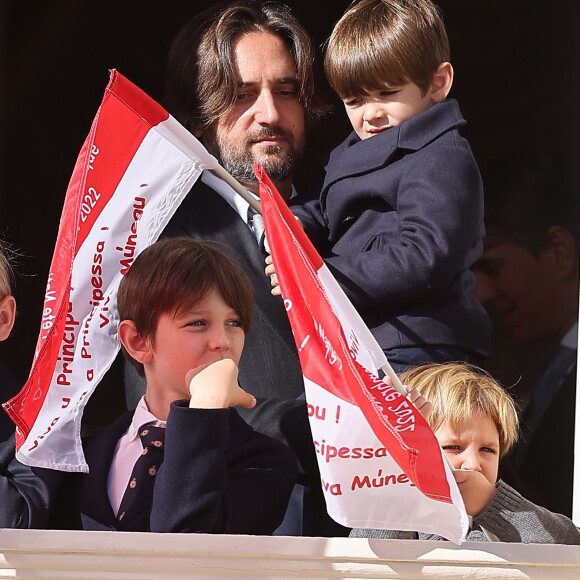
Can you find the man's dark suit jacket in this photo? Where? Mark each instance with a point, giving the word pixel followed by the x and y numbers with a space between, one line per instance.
pixel 541 466
pixel 399 222
pixel 218 476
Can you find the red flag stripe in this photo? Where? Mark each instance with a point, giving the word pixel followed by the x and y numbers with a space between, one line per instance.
pixel 135 167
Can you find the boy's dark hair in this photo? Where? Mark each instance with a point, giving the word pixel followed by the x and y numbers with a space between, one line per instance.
pixel 385 43
pixel 174 274
pixel 200 80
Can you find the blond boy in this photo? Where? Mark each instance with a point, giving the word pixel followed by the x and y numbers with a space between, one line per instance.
pixel 475 422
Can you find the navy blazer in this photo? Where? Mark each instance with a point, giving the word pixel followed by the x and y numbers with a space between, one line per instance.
pixel 399 222
pixel 218 476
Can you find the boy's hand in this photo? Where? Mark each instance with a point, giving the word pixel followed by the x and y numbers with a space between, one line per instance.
pixel 421 403
pixel 215 386
pixel 475 490
pixel 271 272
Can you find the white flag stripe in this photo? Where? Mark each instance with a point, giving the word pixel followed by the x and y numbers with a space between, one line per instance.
pixel 353 325
pixel 365 487
pixel 184 142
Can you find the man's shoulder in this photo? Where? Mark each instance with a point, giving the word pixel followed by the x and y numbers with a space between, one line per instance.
pixel 201 214
pixel 201 195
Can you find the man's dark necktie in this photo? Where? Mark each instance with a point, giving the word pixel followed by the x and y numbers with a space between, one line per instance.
pixel 256 223
pixel 139 493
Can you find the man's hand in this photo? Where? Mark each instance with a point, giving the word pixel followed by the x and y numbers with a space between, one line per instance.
pixel 271 272
pixel 215 386
pixel 475 490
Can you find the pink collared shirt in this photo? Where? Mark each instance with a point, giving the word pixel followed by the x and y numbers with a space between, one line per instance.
pixel 127 451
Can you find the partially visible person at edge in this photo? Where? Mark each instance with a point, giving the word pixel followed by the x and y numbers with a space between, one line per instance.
pixel 26 494
pixel 400 217
pixel 528 276
pixel 240 77
pixel 8 384
pixel 475 422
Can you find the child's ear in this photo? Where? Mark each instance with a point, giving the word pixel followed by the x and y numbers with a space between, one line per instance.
pixel 137 347
pixel 442 81
pixel 7 316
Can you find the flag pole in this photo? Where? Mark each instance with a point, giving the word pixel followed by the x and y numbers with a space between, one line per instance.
pixel 237 187
pixel 185 140
pixel 395 381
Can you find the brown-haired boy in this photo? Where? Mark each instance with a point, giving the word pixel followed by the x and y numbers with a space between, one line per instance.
pixel 184 308
pixel 400 217
pixel 475 422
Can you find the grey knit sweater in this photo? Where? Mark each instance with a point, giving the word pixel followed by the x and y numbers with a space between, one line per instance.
pixel 509 516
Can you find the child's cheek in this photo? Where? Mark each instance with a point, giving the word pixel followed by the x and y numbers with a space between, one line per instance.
pixel 454 459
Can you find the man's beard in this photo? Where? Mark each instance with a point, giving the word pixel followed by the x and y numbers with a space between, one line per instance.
pixel 239 161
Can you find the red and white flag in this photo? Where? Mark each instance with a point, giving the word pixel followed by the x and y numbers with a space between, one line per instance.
pixel 380 463
pixel 135 167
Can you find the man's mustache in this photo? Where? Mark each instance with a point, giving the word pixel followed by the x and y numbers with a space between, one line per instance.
pixel 267 132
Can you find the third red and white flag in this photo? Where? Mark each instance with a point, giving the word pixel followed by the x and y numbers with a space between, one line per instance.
pixel 380 463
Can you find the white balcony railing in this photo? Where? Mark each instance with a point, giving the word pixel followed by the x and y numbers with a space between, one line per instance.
pixel 62 555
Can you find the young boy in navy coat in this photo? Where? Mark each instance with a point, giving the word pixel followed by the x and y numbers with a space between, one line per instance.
pixel 400 217
pixel 185 308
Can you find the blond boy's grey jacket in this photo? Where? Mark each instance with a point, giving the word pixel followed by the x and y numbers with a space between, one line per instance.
pixel 509 516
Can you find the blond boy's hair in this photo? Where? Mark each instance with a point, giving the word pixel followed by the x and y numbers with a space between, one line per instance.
pixel 457 391
pixel 385 43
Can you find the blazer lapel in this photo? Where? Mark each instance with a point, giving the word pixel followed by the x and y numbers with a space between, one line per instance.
pixel 99 450
pixel 206 216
